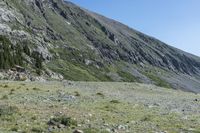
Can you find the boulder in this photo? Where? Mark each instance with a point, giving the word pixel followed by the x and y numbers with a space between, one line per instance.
pixel 78 131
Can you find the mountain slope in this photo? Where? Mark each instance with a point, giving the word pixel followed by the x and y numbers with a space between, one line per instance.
pixel 81 45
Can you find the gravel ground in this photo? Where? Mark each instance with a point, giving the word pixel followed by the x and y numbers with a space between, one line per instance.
pixel 97 107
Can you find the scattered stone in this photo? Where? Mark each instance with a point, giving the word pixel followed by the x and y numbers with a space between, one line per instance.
pixel 19 68
pixel 1 76
pixel 78 131
pixel 106 125
pixel 163 132
pixel 88 62
pixel 50 129
pixel 122 127
pixel 191 129
pixel 68 98
pixel 108 130
pixel 88 121
pixel 90 115
pixel 185 118
pixel 133 122
pixel 79 125
pixel 61 126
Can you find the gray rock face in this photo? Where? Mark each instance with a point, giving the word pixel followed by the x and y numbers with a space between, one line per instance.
pixel 82 45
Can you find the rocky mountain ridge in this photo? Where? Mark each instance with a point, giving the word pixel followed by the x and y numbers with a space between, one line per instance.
pixel 81 45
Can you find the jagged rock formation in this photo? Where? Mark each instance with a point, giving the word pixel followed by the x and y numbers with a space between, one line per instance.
pixel 82 45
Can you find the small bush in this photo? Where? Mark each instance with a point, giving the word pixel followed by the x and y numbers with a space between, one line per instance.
pixel 14 129
pixel 114 101
pixel 4 97
pixel 5 86
pixel 67 121
pixel 100 94
pixel 11 91
pixel 36 89
pixel 77 94
pixel 34 118
pixel 23 78
pixel 10 54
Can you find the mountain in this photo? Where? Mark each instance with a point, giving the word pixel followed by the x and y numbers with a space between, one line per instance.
pixel 56 39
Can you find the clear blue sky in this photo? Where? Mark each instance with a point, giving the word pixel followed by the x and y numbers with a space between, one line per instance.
pixel 176 22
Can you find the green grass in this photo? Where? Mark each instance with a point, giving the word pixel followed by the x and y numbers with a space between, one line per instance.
pixel 8 110
pixel 158 81
pixel 127 77
pixel 94 130
pixel 72 66
pixel 71 72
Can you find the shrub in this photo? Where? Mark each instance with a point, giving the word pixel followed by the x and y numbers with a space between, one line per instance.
pixel 34 118
pixel 114 101
pixel 11 91
pixel 100 94
pixel 77 94
pixel 10 54
pixel 15 129
pixel 38 60
pixel 67 121
pixel 36 89
pixel 4 97
pixel 6 86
